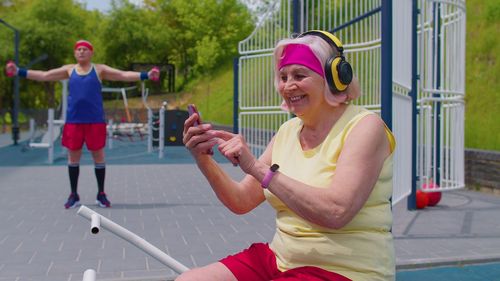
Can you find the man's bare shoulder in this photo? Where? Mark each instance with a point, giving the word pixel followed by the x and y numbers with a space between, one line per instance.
pixel 100 66
pixel 68 66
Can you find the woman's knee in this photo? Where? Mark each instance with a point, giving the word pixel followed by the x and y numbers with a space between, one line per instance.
pixel 189 275
pixel 212 272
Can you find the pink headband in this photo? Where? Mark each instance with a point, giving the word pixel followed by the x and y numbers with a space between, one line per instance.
pixel 303 55
pixel 84 43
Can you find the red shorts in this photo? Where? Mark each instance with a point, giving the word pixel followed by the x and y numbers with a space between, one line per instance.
pixel 93 135
pixel 258 263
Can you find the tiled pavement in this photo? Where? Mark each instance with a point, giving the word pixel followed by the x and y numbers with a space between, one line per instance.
pixel 169 203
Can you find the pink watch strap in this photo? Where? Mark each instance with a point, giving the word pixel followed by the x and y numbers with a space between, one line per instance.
pixel 269 176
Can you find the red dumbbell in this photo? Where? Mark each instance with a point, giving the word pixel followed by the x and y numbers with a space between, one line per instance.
pixel 156 78
pixel 7 66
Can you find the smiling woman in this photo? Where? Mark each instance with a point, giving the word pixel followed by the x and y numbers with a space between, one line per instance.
pixel 331 193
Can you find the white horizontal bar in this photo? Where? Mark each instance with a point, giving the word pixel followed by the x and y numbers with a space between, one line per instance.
pixel 134 239
pixel 39 145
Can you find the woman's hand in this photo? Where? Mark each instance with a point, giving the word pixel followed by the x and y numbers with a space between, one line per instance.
pixel 235 149
pixel 198 139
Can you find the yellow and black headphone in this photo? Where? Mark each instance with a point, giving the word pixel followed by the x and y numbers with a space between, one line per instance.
pixel 338 71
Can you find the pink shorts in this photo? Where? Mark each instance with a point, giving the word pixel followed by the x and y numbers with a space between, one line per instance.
pixel 258 263
pixel 93 135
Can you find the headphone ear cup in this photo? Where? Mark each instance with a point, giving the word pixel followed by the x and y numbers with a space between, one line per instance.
pixel 329 73
pixel 345 72
pixel 338 74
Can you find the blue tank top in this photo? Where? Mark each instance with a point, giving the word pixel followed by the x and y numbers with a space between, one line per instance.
pixel 85 98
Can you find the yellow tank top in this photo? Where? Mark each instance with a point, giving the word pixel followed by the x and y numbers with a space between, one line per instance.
pixel 361 250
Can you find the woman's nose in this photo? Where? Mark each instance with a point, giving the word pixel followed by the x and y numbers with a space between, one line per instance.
pixel 290 85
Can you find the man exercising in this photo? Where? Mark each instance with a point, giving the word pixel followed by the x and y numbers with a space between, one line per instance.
pixel 85 121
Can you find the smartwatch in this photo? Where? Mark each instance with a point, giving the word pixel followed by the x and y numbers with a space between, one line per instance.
pixel 269 176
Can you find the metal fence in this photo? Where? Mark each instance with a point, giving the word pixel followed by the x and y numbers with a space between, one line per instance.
pixel 441 64
pixel 441 68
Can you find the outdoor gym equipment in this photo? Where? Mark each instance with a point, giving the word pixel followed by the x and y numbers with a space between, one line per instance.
pixel 152 124
pixel 98 221
pixel 53 132
pixel 89 275
pixel 53 126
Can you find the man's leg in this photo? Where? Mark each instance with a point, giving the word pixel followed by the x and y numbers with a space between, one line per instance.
pixel 95 138
pixel 72 139
pixel 74 172
pixel 99 168
pixel 100 174
pixel 74 168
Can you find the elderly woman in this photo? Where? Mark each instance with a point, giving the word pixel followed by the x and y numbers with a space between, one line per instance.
pixel 327 173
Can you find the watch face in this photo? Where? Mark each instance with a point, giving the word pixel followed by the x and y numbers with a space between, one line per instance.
pixel 274 167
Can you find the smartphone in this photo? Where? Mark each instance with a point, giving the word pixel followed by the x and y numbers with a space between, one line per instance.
pixel 192 109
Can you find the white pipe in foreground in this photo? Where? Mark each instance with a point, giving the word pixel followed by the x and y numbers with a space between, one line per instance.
pixel 95 223
pixel 135 240
pixel 89 275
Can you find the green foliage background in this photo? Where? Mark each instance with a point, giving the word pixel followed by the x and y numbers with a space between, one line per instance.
pixel 200 38
pixel 482 116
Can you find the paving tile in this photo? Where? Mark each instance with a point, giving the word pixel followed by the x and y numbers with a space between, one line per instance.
pixel 171 205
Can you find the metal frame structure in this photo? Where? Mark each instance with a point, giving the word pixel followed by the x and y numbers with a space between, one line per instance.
pixel 97 221
pixel 440 81
pixel 426 89
pixel 402 54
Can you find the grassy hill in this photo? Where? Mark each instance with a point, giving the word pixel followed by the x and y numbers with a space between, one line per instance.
pixel 482 120
pixel 213 93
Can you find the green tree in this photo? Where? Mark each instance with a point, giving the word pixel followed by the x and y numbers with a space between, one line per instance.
pixel 47 27
pixel 138 36
pixel 197 25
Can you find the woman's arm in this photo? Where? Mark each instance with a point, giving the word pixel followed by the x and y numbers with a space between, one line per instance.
pixel 239 197
pixel 358 169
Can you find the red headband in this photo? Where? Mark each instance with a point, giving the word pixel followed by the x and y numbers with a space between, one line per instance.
pixel 84 43
pixel 303 55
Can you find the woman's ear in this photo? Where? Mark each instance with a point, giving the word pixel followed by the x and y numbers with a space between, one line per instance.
pixel 335 99
pixel 352 92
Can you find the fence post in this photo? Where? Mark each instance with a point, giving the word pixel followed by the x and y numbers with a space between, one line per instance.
pixel 50 123
pixel 161 127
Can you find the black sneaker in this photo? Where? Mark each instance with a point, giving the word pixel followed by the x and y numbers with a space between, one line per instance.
pixel 73 201
pixel 102 201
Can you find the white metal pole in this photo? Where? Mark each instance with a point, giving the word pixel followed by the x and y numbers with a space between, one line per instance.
pixel 95 223
pixel 134 239
pixel 150 130
pixel 32 129
pixel 89 275
pixel 50 124
pixel 64 99
pixel 110 134
pixel 161 127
